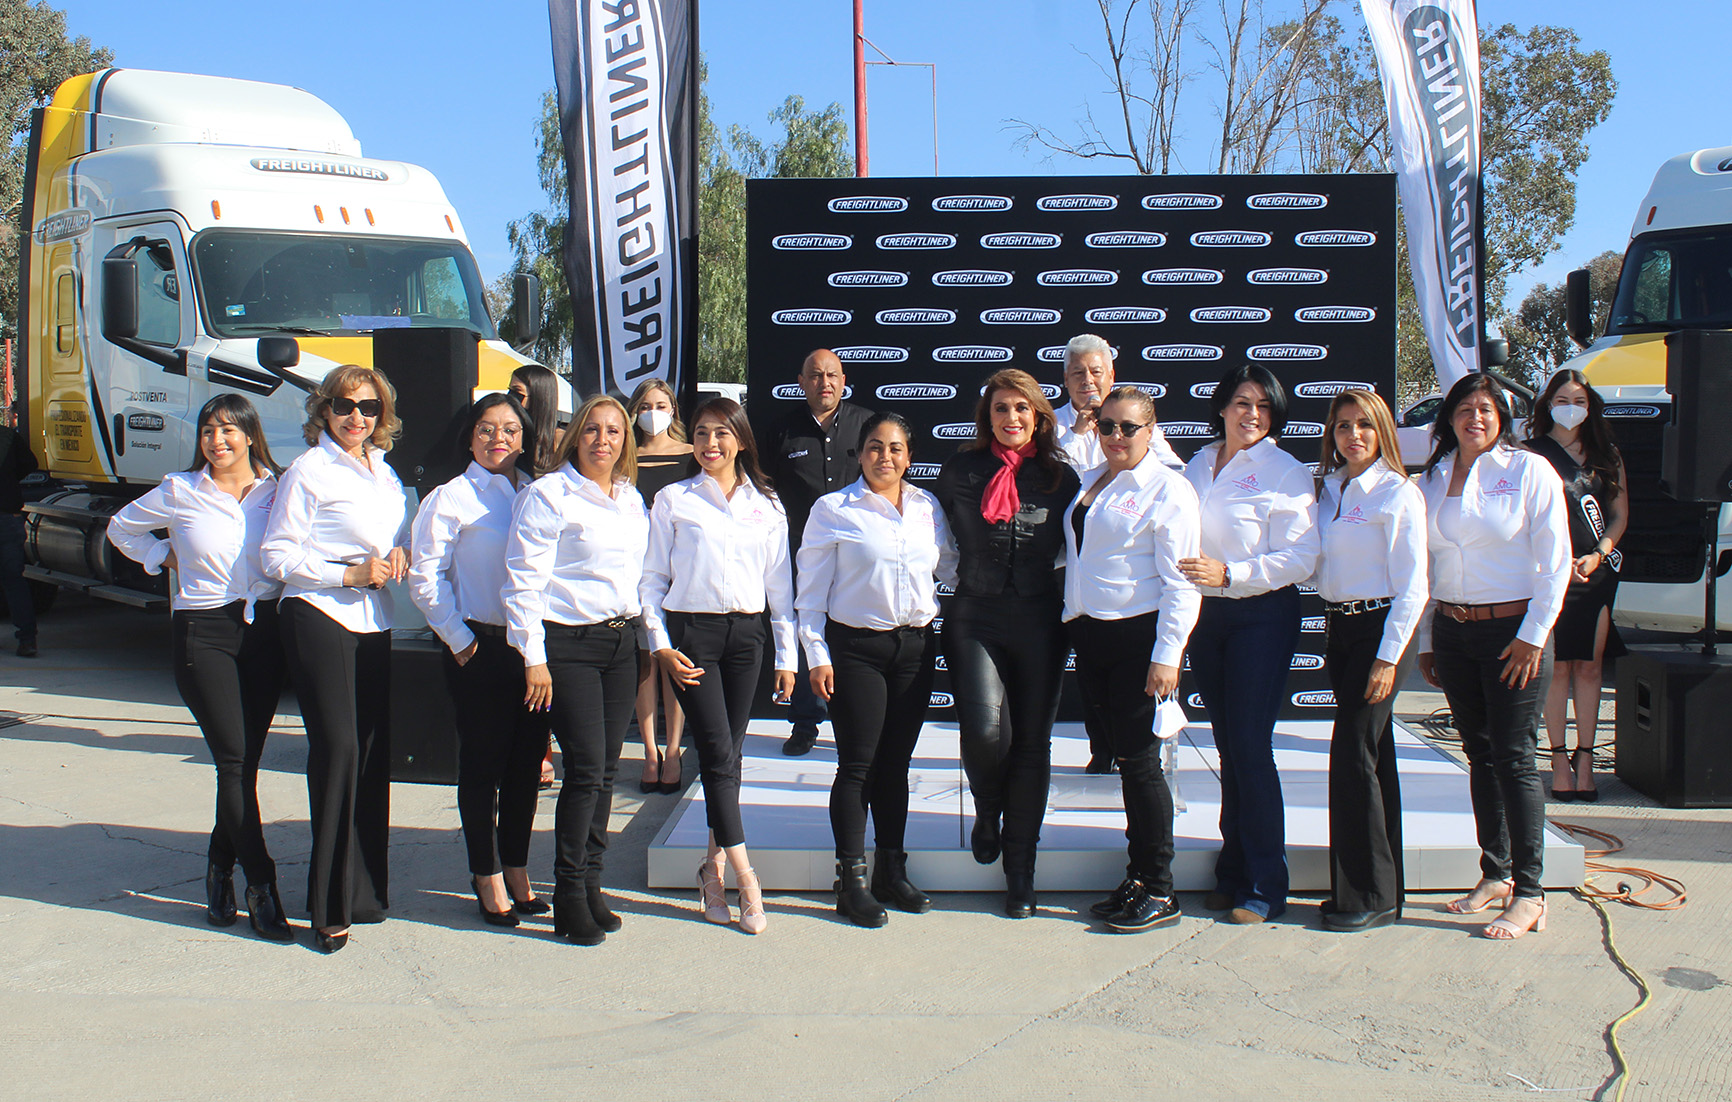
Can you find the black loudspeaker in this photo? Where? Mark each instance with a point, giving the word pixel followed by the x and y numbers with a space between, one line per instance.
pixel 1696 457
pixel 423 720
pixel 434 372
pixel 1673 742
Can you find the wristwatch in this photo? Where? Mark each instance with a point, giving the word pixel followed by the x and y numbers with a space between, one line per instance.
pixel 1226 576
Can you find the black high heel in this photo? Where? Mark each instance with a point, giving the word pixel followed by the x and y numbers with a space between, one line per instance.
pixel 1586 795
pixel 330 943
pixel 1564 795
pixel 506 918
pixel 219 895
pixel 573 921
pixel 265 912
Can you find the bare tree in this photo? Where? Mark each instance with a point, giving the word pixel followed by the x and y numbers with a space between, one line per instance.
pixel 1146 82
pixel 1264 69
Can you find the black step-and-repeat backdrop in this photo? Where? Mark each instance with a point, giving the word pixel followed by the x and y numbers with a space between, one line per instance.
pixel 924 287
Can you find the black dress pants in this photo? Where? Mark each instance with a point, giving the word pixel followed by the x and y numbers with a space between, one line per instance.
pixel 594 671
pixel 1500 729
pixel 1365 866
pixel 343 680
pixel 883 687
pixel 729 647
pixel 1005 656
pixel 1112 667
pixel 499 750
pixel 231 674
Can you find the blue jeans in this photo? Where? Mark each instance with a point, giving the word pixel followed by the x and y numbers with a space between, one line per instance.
pixel 1240 652
pixel 12 581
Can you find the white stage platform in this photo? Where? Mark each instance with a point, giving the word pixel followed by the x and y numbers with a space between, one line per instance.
pixel 785 804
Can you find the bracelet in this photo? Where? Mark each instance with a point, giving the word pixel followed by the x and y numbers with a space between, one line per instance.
pixel 1226 576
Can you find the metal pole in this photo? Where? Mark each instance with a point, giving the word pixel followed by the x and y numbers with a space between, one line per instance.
pixel 860 159
pixel 934 68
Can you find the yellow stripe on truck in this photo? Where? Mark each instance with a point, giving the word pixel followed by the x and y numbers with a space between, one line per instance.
pixel 1637 360
pixel 495 361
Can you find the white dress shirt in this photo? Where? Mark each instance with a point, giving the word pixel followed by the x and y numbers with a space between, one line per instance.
pixel 1135 531
pixel 1084 448
pixel 1512 541
pixel 1257 516
pixel 866 565
pixel 574 556
pixel 457 553
pixel 1373 532
pixel 215 539
pixel 332 512
pixel 709 552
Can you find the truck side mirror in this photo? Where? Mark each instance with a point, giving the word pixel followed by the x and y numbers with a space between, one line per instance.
pixel 525 309
pixel 277 353
pixel 119 298
pixel 1495 352
pixel 1578 307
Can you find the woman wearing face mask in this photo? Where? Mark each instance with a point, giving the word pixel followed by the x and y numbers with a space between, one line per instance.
pixel 455 578
pixel 339 532
pixel 1569 428
pixel 870 559
pixel 1371 576
pixel 228 652
pixel 1258 543
pixel 1130 609
pixel 663 458
pixel 1499 541
pixel 573 559
pixel 1004 494
pixel 718 557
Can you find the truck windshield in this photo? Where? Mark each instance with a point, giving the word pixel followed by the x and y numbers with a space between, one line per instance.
pixel 1676 281
pixel 253 282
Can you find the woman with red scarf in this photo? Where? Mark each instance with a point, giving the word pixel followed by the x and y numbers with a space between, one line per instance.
pixel 1005 495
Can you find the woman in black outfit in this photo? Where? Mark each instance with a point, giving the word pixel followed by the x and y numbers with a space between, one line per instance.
pixel 228 656
pixel 1569 429
pixel 1005 494
pixel 663 458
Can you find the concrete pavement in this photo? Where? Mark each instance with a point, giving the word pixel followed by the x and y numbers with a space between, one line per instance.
pixel 114 987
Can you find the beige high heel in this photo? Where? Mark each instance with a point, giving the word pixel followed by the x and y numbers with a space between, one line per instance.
pixel 712 896
pixel 1485 894
pixel 752 917
pixel 1508 929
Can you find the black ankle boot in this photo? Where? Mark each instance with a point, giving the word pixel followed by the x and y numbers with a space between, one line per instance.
pixel 598 909
pixel 265 912
pixel 983 839
pixel 890 883
pixel 1019 901
pixel 853 901
pixel 573 920
pixel 219 895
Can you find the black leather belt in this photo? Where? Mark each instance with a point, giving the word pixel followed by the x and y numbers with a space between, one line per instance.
pixel 492 631
pixel 1354 608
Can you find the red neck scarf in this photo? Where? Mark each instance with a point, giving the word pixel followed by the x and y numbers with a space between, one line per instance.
pixel 1001 502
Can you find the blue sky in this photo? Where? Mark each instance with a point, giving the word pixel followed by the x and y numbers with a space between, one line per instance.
pixel 440 84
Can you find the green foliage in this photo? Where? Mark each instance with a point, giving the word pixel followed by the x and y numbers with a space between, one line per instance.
pixel 1538 340
pixel 811 143
pixel 36 57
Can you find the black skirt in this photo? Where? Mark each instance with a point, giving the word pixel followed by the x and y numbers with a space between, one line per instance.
pixel 1573 634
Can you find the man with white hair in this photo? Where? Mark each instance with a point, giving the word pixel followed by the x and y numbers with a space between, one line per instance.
pixel 1089 377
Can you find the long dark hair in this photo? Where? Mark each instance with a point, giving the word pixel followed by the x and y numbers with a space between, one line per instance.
pixel 1443 429
pixel 466 429
pixel 232 409
pixel 1376 411
pixel 1601 451
pixel 1047 453
pixel 1230 384
pixel 729 413
pixel 543 407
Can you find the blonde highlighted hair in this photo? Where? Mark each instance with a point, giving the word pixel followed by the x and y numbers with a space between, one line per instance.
pixel 1382 421
pixel 340 382
pixel 625 463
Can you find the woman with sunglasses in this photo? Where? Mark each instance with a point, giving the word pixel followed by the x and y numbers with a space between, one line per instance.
pixel 1371 575
pixel 1258 544
pixel 1130 610
pixel 718 559
pixel 455 577
pixel 1498 531
pixel 338 533
pixel 572 564
pixel 1004 494
pixel 227 651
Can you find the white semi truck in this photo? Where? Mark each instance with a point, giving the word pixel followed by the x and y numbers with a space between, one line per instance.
pixel 189 235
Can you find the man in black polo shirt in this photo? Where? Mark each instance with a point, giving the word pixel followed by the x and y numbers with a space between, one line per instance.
pixel 814 452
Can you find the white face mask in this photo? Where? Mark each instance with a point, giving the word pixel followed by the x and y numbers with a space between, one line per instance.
pixel 654 421
pixel 1569 417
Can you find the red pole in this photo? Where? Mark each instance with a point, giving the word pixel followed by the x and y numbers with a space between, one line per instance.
pixel 859 89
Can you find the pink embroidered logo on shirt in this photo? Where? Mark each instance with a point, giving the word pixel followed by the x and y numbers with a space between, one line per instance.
pixel 1248 484
pixel 1126 508
pixel 1355 515
pixel 1503 488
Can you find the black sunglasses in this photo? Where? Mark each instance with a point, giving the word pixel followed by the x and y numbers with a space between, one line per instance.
pixel 1113 428
pixel 369 407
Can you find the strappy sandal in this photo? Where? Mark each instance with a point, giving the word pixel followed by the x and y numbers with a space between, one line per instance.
pixel 1586 795
pixel 712 896
pixel 1474 902
pixel 752 918
pixel 1563 795
pixel 1508 929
